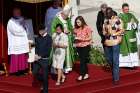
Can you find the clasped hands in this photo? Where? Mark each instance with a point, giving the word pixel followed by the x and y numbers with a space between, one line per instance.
pixel 58 46
pixel 37 57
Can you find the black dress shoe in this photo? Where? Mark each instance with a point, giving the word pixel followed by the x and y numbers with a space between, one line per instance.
pixel 115 82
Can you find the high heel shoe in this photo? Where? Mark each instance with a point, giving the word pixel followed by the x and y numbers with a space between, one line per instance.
pixel 63 80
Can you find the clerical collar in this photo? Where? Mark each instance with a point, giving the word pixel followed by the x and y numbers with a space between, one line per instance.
pixel 45 34
pixel 17 17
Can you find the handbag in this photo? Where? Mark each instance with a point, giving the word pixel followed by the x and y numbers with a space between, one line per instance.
pixel 113 42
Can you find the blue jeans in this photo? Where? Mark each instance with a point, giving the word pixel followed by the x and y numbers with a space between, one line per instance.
pixel 112 55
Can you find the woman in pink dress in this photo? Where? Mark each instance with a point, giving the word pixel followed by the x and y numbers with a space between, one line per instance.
pixel 83 40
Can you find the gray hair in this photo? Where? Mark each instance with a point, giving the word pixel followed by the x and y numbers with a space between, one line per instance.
pixel 104 5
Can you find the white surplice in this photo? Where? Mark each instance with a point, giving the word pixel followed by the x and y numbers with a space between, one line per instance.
pixel 17 37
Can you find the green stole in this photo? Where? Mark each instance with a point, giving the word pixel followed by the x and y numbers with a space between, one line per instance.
pixel 126 46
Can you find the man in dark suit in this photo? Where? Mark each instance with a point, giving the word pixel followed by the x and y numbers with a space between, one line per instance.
pixel 42 50
pixel 100 22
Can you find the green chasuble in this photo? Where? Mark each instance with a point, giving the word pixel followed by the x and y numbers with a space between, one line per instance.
pixel 129 42
pixel 70 52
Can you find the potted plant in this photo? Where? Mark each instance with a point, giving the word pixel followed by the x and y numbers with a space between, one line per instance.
pixel 98 58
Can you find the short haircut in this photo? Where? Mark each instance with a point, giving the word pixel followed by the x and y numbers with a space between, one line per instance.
pixel 110 12
pixel 61 27
pixel 16 8
pixel 104 5
pixel 41 27
pixel 125 5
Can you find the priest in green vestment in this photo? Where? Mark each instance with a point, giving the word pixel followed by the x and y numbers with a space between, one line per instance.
pixel 128 47
pixel 64 19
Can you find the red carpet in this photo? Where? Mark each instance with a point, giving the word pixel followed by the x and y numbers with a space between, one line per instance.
pixel 100 82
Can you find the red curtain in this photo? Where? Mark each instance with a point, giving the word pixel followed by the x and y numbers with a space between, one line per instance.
pixel 3 44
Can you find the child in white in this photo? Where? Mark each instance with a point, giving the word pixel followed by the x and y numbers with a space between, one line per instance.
pixel 60 43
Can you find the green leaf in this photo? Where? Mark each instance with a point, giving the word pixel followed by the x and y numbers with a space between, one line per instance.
pixel 97 56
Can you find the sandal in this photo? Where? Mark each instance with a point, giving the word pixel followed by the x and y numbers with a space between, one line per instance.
pixel 80 78
pixel 63 80
pixel 57 83
pixel 86 77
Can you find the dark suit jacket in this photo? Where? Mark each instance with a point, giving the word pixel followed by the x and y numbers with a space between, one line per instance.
pixel 99 24
pixel 43 46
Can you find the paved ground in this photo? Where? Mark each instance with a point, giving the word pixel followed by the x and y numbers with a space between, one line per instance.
pixel 89 9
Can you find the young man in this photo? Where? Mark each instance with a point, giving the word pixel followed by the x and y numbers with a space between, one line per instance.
pixel 100 22
pixel 128 47
pixel 42 51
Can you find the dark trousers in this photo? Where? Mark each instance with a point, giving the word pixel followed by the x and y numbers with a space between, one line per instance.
pixel 112 55
pixel 42 64
pixel 83 53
